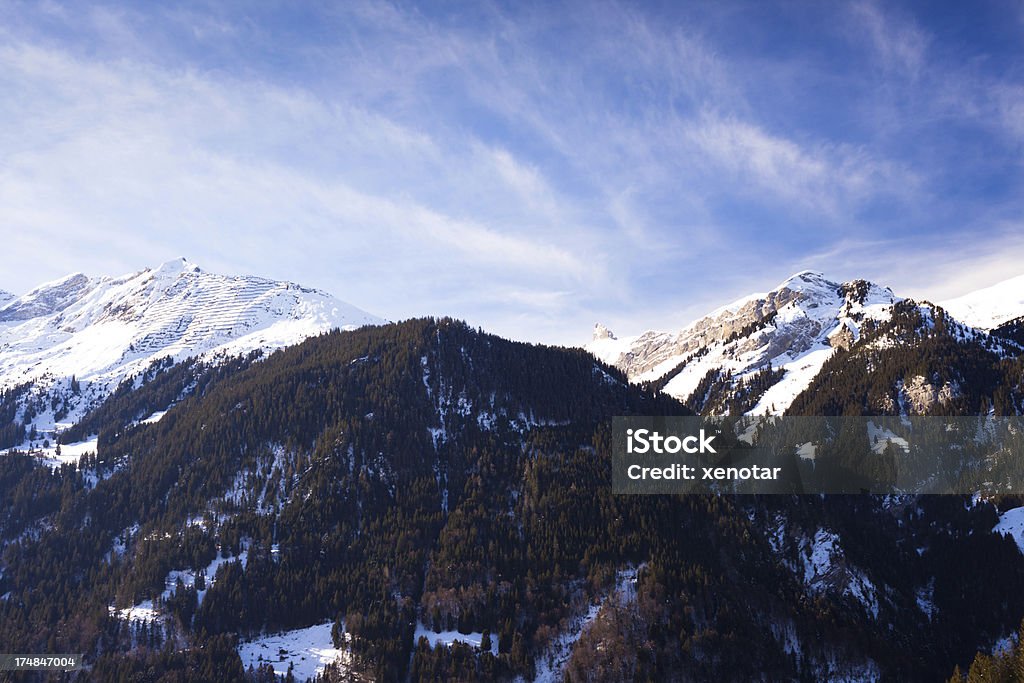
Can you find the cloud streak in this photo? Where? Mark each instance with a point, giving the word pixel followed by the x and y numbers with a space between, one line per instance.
pixel 527 168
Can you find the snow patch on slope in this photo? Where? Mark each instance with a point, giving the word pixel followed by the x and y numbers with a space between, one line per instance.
pixel 145 611
pixel 551 663
pixel 447 638
pixel 188 577
pixel 306 651
pixel 1011 523
pixel 69 454
pixel 825 569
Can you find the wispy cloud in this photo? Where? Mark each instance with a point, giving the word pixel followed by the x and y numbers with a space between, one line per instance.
pixel 826 178
pixel 531 168
pixel 898 44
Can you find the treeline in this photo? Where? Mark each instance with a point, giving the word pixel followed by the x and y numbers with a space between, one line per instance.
pixel 157 388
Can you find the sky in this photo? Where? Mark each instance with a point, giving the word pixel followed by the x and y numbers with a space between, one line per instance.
pixel 532 168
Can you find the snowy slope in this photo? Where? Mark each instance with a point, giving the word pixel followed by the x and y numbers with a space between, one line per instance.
pixel 103 330
pixel 989 307
pixel 795 327
pixel 1011 523
pixel 607 347
pixel 306 651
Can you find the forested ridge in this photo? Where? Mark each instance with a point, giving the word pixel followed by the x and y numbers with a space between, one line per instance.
pixel 428 473
pixel 982 373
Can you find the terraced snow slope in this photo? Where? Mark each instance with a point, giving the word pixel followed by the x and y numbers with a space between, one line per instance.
pixel 796 327
pixel 103 330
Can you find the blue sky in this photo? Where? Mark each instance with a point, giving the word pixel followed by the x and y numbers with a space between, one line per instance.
pixel 530 167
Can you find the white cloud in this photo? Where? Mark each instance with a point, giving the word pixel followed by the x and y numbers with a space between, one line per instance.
pixel 898 43
pixel 828 178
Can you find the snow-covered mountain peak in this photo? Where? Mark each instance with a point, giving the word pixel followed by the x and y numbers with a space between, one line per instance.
pixel 47 298
pixel 175 267
pixel 791 329
pixel 808 289
pixel 103 330
pixel 989 307
pixel 606 346
pixel 806 279
pixel 602 332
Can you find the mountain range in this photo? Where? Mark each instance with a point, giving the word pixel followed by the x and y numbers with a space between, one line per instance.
pixel 100 331
pixel 424 501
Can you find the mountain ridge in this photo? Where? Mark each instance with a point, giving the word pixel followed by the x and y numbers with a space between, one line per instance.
pixel 792 328
pixel 780 340
pixel 95 332
pixel 989 307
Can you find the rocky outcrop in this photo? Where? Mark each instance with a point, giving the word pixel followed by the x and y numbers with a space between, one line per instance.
pixel 920 395
pixel 602 332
